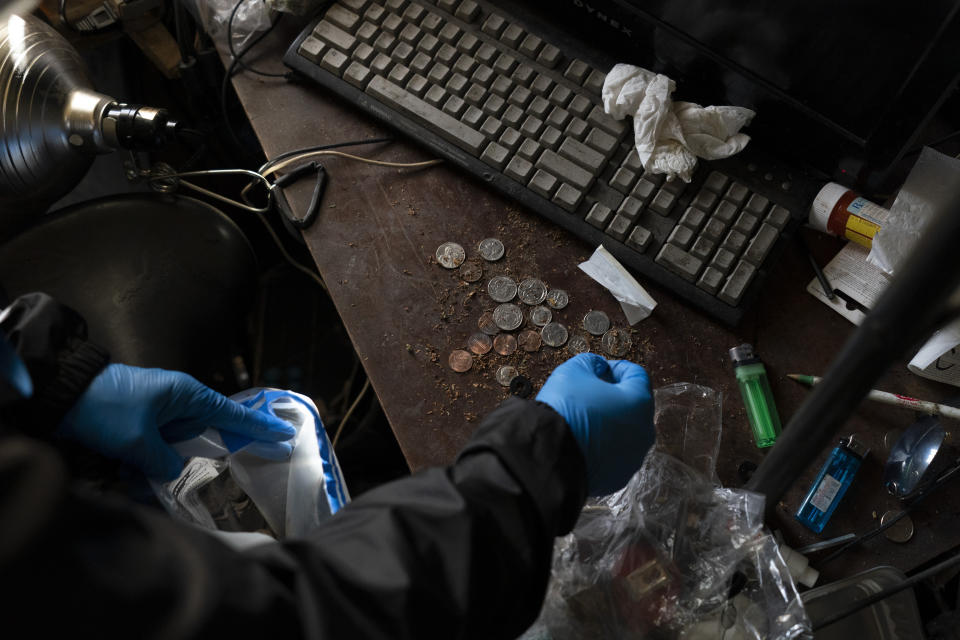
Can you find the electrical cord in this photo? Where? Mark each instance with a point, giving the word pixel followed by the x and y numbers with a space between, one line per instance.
pixel 338 145
pixel 381 163
pixel 346 416
pixel 169 181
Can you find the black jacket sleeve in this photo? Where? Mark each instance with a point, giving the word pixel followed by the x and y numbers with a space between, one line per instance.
pixel 51 339
pixel 460 552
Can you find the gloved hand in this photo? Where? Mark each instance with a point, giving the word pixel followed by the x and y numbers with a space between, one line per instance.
pixel 609 407
pixel 132 413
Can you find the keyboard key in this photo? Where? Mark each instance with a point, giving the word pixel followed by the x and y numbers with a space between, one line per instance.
pixel 734 242
pixel 566 170
pixel 502 87
pixel 395 5
pixel 530 46
pixel 618 227
pixel 458 85
pixel 693 218
pixel 531 127
pixel 367 32
pixel 639 238
pixel 473 117
pixel 778 217
pixel 702 248
pixel 705 200
pixel 577 129
pixel 491 127
pixel 580 106
pixel 676 187
pixel 726 211
pixel 454 105
pixel 558 117
pixel 413 13
pixel 312 49
pixel 549 56
pixel 714 229
pixel 711 280
pixel 520 96
pixel 450 33
pixel 399 74
pixel 539 107
pixel 599 215
pixel 381 65
pixel 519 169
pixel 663 202
pixel 512 36
pixel 513 116
pixel 643 189
pixel 530 149
pixel 601 141
pixel 342 17
pixel 746 223
pixel 511 139
pixel 483 75
pixel 580 154
pixel 543 183
pixel 469 43
pixel 468 11
pixel 357 75
pixel 429 44
pixel 681 236
pixel 384 43
pixel 494 25
pixel 435 96
pixel 403 52
pixel 475 95
pixel 679 262
pixel 737 283
pixel 594 82
pixel 761 244
pixel 487 53
pixel 757 204
pixel 375 14
pixel 421 64
pixel 524 75
pixel 598 118
pixel 439 73
pixel 723 261
pixel 448 5
pixel 495 155
pixel 568 197
pixel 494 105
pixel 622 180
pixel 334 62
pixel 736 193
pixel 577 71
pixel 630 207
pixel 551 137
pixel 632 162
pixel 392 23
pixel 356 6
pixel 504 64
pixel 716 182
pixel 334 36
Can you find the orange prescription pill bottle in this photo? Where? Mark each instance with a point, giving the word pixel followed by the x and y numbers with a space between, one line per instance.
pixel 841 212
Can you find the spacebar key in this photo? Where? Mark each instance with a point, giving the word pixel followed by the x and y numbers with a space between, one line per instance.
pixel 433 119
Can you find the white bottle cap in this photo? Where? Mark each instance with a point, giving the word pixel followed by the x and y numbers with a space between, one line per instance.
pixel 824 203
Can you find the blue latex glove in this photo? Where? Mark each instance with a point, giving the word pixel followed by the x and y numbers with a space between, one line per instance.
pixel 609 407
pixel 132 414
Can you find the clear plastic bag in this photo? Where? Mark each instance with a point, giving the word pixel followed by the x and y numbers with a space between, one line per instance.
pixel 226 489
pixel 673 554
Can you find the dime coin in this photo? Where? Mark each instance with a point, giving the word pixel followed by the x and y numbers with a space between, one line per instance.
pixel 529 340
pixel 554 334
pixel 460 360
pixel 557 298
pixel 532 291
pixel 480 343
pixel 490 249
pixel 902 531
pixel 506 374
pixel 578 344
pixel 508 316
pixel 616 342
pixel 596 322
pixel 502 288
pixel 450 255
pixel 471 270
pixel 487 324
pixel 541 316
pixel 505 344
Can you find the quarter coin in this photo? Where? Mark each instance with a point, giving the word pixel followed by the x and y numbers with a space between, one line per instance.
pixel 450 255
pixel 529 340
pixel 508 316
pixel 487 324
pixel 506 374
pixel 902 531
pixel 490 249
pixel 505 344
pixel 480 343
pixel 596 322
pixel 502 288
pixel 557 298
pixel 460 360
pixel 616 342
pixel 578 344
pixel 541 316
pixel 532 291
pixel 471 270
pixel 554 334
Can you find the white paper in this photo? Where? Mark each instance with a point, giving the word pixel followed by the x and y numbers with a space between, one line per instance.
pixel 634 299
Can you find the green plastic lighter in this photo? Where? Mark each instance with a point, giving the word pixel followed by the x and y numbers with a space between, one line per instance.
pixel 757 397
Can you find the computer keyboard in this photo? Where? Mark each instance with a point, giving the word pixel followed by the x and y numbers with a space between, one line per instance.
pixel 491 93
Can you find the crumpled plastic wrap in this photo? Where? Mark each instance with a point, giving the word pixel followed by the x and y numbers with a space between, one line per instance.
pixel 670 136
pixel 673 554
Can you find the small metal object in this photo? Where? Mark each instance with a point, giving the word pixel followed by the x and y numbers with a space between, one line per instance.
pixel 557 298
pixel 506 374
pixel 521 386
pixel 529 340
pixel 460 360
pixel 502 288
pixel 450 255
pixel 480 343
pixel 505 344
pixel 596 322
pixel 532 291
pixel 616 342
pixel 578 344
pixel 490 249
pixel 911 456
pixel 554 334
pixel 487 324
pixel 827 544
pixel 900 532
pixel 541 316
pixel 508 316
pixel 471 270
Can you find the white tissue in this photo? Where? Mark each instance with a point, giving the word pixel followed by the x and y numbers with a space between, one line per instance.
pixel 671 135
pixel 634 299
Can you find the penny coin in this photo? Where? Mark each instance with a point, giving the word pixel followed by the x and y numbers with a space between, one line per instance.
pixel 502 288
pixel 460 360
pixel 578 344
pixel 532 291
pixel 480 343
pixel 506 374
pixel 557 298
pixel 902 531
pixel 541 316
pixel 616 342
pixel 529 340
pixel 596 322
pixel 490 249
pixel 554 334
pixel 487 324
pixel 505 344
pixel 450 255
pixel 471 270
pixel 508 316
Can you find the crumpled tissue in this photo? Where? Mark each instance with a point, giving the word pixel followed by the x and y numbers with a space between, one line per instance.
pixel 634 299
pixel 670 136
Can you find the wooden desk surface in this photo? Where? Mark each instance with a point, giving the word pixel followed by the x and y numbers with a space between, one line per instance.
pixel 374 244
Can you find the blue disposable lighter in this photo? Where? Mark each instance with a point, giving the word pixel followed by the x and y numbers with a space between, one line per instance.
pixel 832 482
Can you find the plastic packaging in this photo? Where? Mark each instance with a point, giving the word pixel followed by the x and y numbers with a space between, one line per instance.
pixel 672 555
pixel 239 491
pixel 841 212
pixel 252 16
pixel 757 396
pixel 832 482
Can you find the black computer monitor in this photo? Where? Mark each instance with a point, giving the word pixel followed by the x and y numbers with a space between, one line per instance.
pixel 845 86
